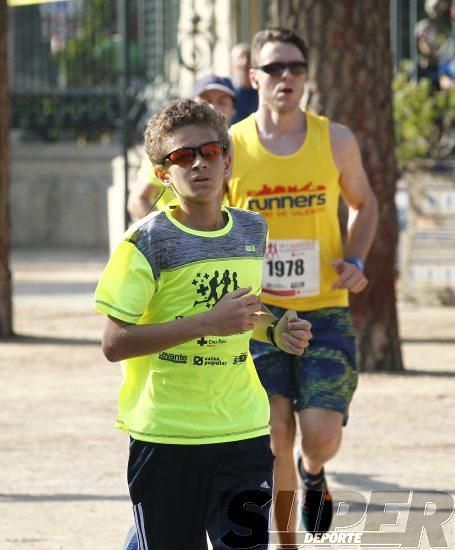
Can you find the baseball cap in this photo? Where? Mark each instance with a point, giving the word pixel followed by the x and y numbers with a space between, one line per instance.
pixel 213 82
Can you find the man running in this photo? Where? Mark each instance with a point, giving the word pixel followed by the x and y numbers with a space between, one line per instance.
pixel 191 400
pixel 291 166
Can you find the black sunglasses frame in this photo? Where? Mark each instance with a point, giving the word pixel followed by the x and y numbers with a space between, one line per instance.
pixel 294 67
pixel 197 149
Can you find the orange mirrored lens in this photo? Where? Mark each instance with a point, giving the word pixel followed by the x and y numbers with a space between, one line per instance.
pixel 185 157
pixel 182 157
pixel 210 150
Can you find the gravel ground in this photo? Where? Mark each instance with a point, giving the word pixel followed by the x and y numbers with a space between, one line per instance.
pixel 63 465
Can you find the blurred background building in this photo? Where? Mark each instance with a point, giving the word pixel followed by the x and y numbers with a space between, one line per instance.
pixel 67 56
pixel 86 74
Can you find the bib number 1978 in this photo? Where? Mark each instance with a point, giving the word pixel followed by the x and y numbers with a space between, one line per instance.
pixel 285 268
pixel 291 268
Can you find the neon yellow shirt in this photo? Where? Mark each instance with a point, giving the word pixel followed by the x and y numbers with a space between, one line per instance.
pixel 206 390
pixel 298 195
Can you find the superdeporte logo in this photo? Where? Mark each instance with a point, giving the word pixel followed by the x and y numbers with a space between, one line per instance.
pixel 290 196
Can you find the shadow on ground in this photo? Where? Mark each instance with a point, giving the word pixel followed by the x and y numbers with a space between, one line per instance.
pixel 51 340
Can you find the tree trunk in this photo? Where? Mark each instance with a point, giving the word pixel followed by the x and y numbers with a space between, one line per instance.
pixel 5 277
pixel 349 80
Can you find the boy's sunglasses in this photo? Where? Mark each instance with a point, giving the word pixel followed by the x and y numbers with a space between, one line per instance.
pixel 278 68
pixel 185 156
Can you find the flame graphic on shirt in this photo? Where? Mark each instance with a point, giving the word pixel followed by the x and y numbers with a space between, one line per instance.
pixel 310 187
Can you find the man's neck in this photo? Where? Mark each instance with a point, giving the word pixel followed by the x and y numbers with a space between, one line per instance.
pixel 281 133
pixel 275 123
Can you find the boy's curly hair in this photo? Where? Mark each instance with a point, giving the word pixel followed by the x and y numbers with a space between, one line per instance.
pixel 175 115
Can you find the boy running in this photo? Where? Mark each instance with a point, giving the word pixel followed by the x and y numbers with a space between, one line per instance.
pixel 191 400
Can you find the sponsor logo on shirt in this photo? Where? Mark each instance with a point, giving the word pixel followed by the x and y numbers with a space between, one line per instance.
pixel 240 358
pixel 211 361
pixel 211 342
pixel 290 196
pixel 173 357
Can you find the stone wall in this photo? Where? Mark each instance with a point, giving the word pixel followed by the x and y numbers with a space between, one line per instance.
pixel 58 195
pixel 428 240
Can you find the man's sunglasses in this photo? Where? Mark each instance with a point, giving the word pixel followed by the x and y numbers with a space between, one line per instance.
pixel 278 68
pixel 185 156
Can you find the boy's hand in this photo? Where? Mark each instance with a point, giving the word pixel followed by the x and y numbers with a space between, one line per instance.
pixel 292 334
pixel 234 313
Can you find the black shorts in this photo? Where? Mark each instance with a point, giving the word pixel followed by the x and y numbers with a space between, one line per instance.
pixel 181 492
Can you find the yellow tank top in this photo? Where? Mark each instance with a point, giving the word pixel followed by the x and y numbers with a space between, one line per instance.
pixel 298 195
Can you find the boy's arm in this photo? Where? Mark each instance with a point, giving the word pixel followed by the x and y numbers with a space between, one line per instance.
pixel 291 334
pixel 233 314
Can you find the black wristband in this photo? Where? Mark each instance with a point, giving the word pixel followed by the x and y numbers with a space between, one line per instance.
pixel 270 333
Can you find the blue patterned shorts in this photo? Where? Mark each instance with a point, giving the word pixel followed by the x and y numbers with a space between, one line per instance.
pixel 325 376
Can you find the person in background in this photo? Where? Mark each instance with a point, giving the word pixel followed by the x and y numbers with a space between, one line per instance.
pixel 148 191
pixel 247 96
pixel 291 166
pixel 434 36
pixel 220 92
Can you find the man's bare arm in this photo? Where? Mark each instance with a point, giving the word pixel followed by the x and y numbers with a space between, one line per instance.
pixel 359 196
pixel 143 193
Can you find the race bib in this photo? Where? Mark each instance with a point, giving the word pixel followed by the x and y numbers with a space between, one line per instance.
pixel 291 268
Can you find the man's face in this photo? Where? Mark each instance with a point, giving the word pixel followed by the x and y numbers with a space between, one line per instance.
pixel 283 92
pixel 221 102
pixel 202 180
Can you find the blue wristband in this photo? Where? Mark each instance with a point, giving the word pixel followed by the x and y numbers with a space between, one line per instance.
pixel 355 261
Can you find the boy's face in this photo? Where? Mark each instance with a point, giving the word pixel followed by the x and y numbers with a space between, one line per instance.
pixel 281 92
pixel 201 179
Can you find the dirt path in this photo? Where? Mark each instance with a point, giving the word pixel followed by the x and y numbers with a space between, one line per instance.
pixel 62 464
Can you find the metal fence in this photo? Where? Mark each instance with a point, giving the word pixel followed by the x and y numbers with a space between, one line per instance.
pixel 70 72
pixel 67 63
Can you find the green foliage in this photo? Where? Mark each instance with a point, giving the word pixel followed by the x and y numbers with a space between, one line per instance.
pixel 90 56
pixel 84 103
pixel 423 117
pixel 55 117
